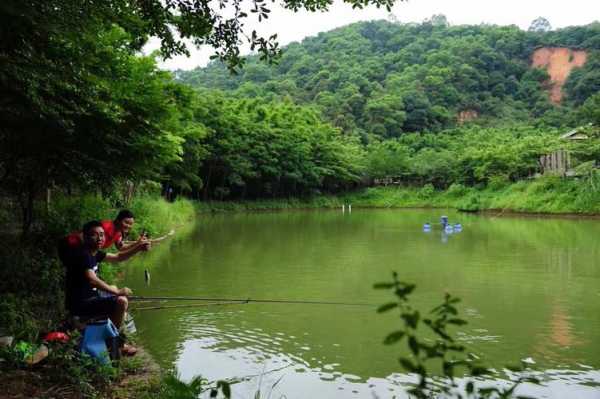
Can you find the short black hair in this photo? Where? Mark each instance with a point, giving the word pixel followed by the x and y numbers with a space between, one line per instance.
pixel 89 226
pixel 124 214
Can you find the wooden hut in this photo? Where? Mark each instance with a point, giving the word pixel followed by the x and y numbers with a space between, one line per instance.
pixel 556 163
pixel 559 162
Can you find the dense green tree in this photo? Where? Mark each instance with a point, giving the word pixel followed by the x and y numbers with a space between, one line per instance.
pixel 590 111
pixel 385 115
pixel 257 148
pixel 82 114
pixel 584 82
pixel 388 159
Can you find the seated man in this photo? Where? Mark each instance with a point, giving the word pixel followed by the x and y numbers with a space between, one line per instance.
pixel 82 282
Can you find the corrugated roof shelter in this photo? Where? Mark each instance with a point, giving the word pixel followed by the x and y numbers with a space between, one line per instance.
pixel 575 134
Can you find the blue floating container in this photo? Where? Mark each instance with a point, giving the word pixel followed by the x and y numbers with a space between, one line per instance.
pixel 457 227
pixel 449 228
pixel 427 227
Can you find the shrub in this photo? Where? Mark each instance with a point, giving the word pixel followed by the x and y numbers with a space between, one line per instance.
pixel 69 213
pixel 498 182
pixel 457 190
pixel 471 203
pixel 426 191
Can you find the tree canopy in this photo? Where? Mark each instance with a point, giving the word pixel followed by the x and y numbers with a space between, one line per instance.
pixel 82 108
pixel 387 78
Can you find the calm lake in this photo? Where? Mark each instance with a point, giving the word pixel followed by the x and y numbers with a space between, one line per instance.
pixel 530 289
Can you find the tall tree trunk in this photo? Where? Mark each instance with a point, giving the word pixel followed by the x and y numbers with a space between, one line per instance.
pixel 26 200
pixel 206 187
pixel 48 198
pixel 129 192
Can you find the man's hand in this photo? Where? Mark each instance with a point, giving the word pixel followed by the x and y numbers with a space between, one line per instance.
pixel 146 244
pixel 125 291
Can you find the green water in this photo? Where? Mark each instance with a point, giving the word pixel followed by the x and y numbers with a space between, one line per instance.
pixel 530 289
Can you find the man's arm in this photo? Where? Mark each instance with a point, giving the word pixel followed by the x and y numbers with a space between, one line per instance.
pixel 159 239
pixel 96 282
pixel 129 252
pixel 127 244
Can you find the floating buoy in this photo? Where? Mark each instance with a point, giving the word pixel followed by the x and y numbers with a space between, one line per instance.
pixel 427 227
pixel 444 221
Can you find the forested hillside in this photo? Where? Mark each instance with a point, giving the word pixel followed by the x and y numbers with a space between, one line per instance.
pixel 420 103
pixel 385 79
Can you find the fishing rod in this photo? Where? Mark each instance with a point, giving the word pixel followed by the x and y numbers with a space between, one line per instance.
pixel 243 301
pixel 187 305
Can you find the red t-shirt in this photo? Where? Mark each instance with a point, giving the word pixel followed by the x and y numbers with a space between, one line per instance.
pixel 111 235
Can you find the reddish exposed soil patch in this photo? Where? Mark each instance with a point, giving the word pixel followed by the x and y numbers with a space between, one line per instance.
pixel 467 115
pixel 558 61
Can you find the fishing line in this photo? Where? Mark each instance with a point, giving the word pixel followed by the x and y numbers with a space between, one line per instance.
pixel 241 301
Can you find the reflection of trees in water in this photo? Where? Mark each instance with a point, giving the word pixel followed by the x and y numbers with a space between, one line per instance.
pixel 559 261
pixel 542 240
pixel 559 339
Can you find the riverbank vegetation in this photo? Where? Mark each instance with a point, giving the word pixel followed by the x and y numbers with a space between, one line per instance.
pixel 32 301
pixel 550 195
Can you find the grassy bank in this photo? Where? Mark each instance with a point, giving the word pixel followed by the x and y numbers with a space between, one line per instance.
pixel 152 213
pixel 31 304
pixel 551 195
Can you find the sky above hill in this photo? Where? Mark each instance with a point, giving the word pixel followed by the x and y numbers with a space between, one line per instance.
pixel 290 26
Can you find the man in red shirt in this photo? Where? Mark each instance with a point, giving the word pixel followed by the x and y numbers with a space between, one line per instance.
pixel 114 232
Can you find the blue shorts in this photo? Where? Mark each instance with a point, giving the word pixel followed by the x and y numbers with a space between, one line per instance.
pixel 97 306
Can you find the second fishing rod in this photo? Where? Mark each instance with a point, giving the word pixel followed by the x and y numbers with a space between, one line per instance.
pixel 245 300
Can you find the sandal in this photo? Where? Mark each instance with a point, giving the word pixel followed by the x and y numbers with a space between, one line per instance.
pixel 128 350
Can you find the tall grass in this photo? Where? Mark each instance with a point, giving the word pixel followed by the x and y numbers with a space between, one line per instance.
pixel 157 216
pixel 152 213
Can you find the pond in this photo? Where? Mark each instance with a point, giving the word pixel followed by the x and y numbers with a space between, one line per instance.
pixel 530 289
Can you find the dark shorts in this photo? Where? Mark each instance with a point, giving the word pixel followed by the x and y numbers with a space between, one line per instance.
pixel 97 306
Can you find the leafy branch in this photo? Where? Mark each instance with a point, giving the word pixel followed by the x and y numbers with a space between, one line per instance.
pixel 450 355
